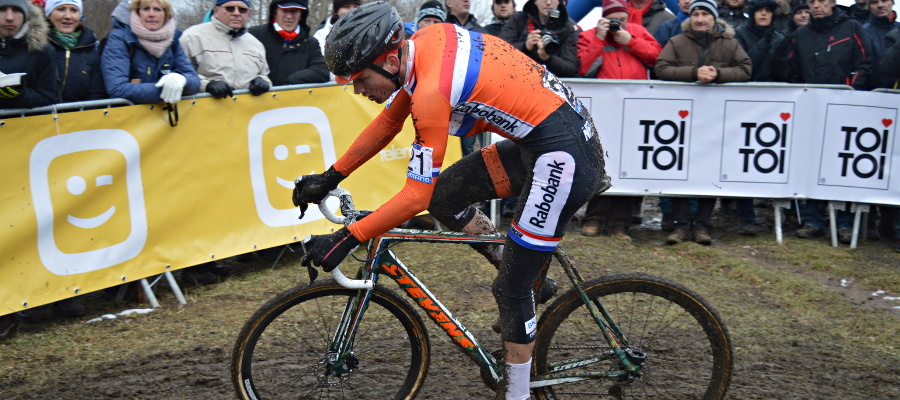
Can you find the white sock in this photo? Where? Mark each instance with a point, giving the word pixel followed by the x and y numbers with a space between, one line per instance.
pixel 519 378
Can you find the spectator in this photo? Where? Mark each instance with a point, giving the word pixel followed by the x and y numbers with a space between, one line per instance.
pixel 136 50
pixel 672 27
pixel 24 49
pixel 721 59
pixel 814 60
pixel 799 17
pixel 876 29
pixel 293 56
pixel 782 19
pixel 767 47
pixel 77 53
pixel 458 14
pixel 859 11
pixel 431 12
pixel 225 57
pixel 543 32
pixel 503 10
pixel 338 9
pixel 614 49
pixel 734 13
pixel 648 13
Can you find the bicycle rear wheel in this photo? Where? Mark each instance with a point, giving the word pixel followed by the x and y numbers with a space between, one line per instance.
pixel 688 350
pixel 282 351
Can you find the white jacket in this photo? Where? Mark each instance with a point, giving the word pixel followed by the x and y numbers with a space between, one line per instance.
pixel 217 55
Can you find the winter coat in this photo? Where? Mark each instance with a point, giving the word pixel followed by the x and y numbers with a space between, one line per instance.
pixel 669 29
pixel 29 52
pixel 876 29
pixel 734 17
pixel 291 63
pixel 890 61
pixel 219 53
pixel 768 50
pixel 131 73
pixel 471 23
pixel 831 50
pixel 686 52
pixel 614 61
pixel 494 28
pixel 564 63
pixel 78 69
pixel 651 16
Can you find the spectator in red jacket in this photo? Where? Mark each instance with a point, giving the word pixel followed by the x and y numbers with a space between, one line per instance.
pixel 614 49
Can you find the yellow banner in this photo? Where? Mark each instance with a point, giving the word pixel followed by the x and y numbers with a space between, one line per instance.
pixel 96 198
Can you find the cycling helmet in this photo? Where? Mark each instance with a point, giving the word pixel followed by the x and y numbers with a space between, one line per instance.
pixel 359 38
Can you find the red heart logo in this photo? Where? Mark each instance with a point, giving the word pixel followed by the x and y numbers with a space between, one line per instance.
pixel 683 113
pixel 887 122
pixel 785 116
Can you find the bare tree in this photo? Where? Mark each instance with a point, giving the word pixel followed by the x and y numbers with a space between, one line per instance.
pixel 97 15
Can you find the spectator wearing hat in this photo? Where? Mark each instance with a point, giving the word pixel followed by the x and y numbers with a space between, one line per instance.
pixel 800 16
pixel 614 49
pixel 338 9
pixel 503 10
pixel 876 29
pixel 767 47
pixel 813 59
pixel 431 12
pixel 734 12
pixel 859 11
pixel 294 57
pixel 225 57
pixel 77 52
pixel 648 13
pixel 782 19
pixel 672 27
pixel 706 52
pixel 458 13
pixel 24 49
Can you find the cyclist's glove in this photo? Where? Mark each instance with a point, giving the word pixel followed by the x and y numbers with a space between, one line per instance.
pixel 327 251
pixel 314 188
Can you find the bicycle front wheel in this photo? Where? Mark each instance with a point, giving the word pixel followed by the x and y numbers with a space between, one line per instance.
pixel 687 348
pixel 284 350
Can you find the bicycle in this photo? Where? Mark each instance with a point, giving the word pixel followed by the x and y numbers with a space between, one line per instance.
pixel 648 337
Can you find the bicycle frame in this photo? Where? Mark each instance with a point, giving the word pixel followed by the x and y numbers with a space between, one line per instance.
pixel 382 261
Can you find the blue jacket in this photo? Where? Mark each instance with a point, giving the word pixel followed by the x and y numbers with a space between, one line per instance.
pixel 670 29
pixel 876 30
pixel 124 60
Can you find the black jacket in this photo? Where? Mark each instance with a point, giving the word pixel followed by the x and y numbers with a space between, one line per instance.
pixel 768 50
pixel 32 55
pixel 831 50
pixel 564 63
pixel 734 17
pixel 890 61
pixel 78 70
pixel 295 62
pixel 876 30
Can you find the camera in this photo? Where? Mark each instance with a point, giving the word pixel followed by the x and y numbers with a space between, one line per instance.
pixel 615 25
pixel 548 38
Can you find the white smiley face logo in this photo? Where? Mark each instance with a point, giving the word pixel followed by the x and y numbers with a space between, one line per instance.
pixel 88 200
pixel 282 146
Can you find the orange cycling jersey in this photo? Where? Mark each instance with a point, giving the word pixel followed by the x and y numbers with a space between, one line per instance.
pixel 458 83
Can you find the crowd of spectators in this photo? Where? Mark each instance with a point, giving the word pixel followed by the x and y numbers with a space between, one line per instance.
pixel 145 59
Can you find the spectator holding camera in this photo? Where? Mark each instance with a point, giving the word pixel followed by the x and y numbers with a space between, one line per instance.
pixel 543 32
pixel 24 49
pixel 143 61
pixel 614 49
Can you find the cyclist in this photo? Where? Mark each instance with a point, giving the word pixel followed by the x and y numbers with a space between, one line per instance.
pixel 457 82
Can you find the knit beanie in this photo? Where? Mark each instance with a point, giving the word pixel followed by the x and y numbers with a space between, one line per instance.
pixel 755 5
pixel 338 4
pixel 614 6
pixel 51 5
pixel 247 2
pixel 708 5
pixel 20 4
pixel 432 8
pixel 798 7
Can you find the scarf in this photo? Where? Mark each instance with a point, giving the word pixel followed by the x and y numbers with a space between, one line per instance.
pixel 68 41
pixel 285 35
pixel 155 42
pixel 636 15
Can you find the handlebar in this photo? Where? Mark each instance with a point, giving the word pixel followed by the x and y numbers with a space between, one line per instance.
pixel 349 215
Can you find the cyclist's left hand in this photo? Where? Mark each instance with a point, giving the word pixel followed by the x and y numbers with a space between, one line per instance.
pixel 327 251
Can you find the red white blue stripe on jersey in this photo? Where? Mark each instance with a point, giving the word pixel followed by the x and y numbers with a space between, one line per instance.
pixel 463 52
pixel 530 240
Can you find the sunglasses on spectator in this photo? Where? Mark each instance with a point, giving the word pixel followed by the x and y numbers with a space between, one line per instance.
pixel 242 10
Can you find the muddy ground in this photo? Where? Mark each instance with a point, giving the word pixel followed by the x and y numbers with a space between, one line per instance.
pixel 801 331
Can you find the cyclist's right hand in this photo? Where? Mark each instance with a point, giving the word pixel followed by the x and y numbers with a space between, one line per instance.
pixel 314 188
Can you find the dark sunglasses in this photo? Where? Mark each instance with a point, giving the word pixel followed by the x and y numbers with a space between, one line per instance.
pixel 242 10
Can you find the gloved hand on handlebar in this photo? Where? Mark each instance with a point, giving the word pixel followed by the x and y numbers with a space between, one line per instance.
pixel 328 250
pixel 314 188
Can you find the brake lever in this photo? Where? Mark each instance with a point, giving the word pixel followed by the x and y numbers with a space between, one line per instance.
pixel 313 273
